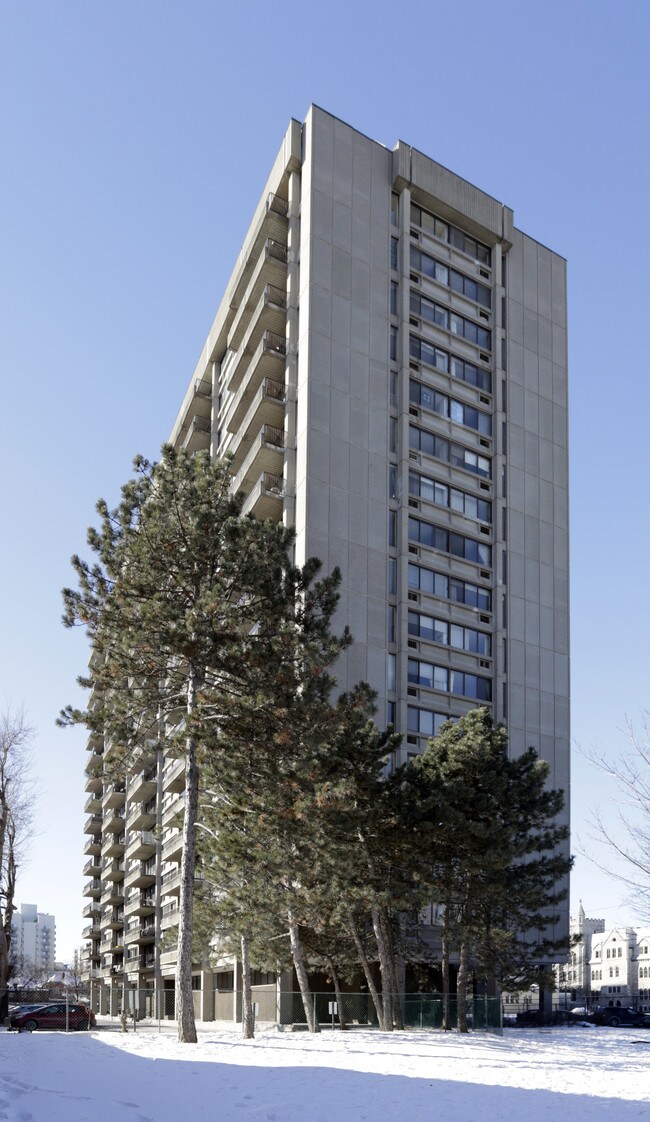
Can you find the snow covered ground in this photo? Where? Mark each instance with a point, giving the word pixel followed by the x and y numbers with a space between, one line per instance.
pixel 577 1074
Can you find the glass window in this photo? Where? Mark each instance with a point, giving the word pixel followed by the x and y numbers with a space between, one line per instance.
pixel 392 576
pixel 393 298
pixel 394 209
pixel 393 344
pixel 393 388
pixel 392 481
pixel 394 254
pixel 458 238
pixel 391 664
pixel 392 528
pixel 392 623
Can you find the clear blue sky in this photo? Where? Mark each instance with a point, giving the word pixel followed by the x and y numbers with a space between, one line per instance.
pixel 136 139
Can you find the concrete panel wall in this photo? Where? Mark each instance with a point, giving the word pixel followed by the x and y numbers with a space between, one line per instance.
pixel 537 487
pixel 343 379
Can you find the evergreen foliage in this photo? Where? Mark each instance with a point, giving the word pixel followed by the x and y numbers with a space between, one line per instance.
pixel 485 827
pixel 178 604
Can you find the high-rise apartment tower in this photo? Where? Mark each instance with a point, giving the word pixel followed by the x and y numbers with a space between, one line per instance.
pixel 388 371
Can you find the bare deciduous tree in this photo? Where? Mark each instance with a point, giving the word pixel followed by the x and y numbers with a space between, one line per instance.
pixel 627 833
pixel 16 802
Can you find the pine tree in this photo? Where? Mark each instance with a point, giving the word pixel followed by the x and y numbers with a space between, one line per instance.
pixel 488 844
pixel 178 606
pixel 262 771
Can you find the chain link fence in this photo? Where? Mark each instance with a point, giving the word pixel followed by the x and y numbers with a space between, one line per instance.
pixel 155 1009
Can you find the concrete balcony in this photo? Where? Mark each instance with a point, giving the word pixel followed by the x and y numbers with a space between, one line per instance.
pixel 271 224
pixel 114 796
pixel 93 845
pixel 141 875
pixel 266 261
pixel 113 869
pixel 196 413
pixel 269 283
pixel 113 844
pixel 266 361
pixel 147 961
pixel 93 782
pixel 171 883
pixel 93 867
pixel 141 816
pixel 268 316
pixel 168 958
pixel 266 454
pixel 143 786
pixel 114 820
pixel 265 498
pixel 172 846
pixel 93 825
pixel 265 407
pixel 93 803
pixel 140 903
pixel 174 776
pixel 197 438
pixel 92 931
pixel 113 894
pixel 142 845
pixel 93 888
pixel 141 933
pixel 113 919
pixel 92 911
pixel 169 916
pixel 173 806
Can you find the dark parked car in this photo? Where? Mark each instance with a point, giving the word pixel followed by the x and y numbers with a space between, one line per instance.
pixel 533 1017
pixel 614 1016
pixel 52 1016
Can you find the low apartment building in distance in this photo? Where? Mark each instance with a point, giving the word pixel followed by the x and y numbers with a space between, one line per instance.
pixel 388 370
pixel 33 942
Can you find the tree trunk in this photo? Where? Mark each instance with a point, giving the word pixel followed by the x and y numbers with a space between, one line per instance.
pixel 301 973
pixel 248 1014
pixel 339 995
pixel 384 966
pixel 8 845
pixel 184 996
pixel 461 985
pixel 365 966
pixel 446 1019
pixel 397 1006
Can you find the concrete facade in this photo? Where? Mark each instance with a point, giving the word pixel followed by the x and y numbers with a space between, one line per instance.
pixel 33 940
pixel 388 370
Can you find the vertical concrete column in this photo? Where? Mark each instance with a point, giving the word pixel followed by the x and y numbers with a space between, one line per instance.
pixel 499 475
pixel 291 369
pixel 403 356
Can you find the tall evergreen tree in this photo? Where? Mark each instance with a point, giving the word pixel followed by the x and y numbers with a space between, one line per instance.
pixel 178 605
pixel 489 844
pixel 263 771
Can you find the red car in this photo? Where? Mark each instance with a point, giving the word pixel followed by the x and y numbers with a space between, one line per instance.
pixel 53 1016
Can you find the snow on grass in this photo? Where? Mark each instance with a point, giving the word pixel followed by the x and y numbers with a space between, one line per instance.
pixel 599 1075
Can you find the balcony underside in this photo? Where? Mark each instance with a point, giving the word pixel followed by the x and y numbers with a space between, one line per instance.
pixel 263 456
pixel 265 498
pixel 266 361
pixel 266 408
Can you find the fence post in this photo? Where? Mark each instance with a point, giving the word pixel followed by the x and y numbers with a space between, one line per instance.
pixel 67 1011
